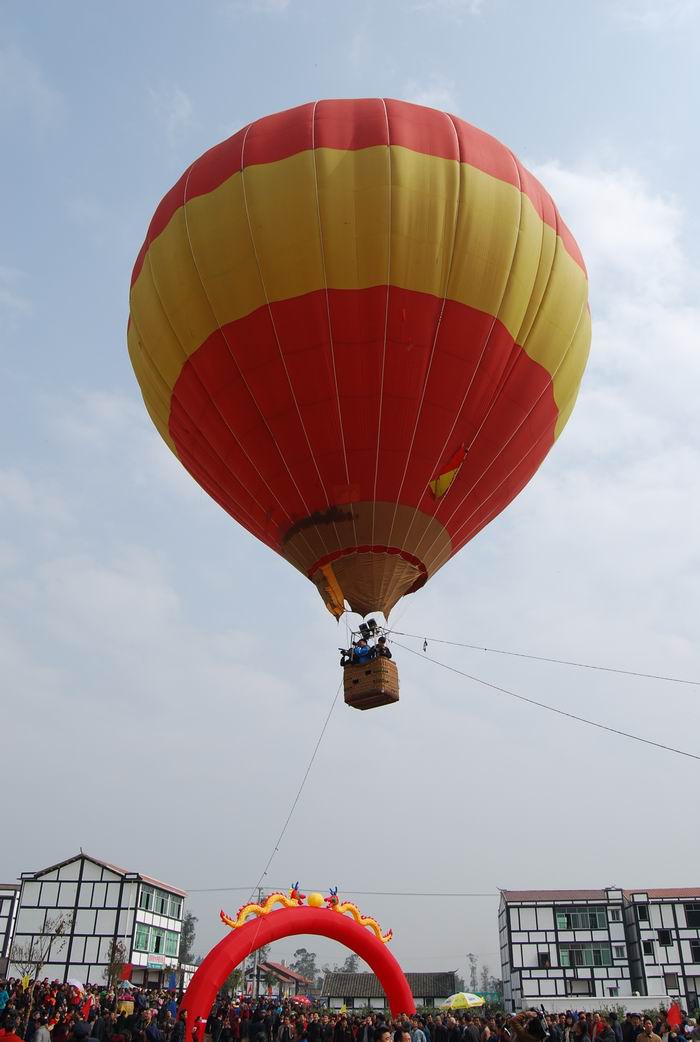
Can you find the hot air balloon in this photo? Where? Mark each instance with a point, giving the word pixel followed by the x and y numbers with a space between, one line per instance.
pixel 360 325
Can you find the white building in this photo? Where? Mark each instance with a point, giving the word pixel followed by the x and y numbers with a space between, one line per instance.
pixel 663 927
pixel 102 903
pixel 600 945
pixel 561 943
pixel 9 897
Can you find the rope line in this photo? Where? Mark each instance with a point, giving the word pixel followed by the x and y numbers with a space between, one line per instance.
pixel 545 658
pixel 551 709
pixel 298 795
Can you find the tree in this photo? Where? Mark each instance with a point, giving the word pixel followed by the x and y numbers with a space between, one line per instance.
pixel 304 962
pixel 117 956
pixel 269 978
pixel 187 936
pixel 496 988
pixel 351 964
pixel 31 956
pixel 473 971
pixel 486 979
pixel 233 982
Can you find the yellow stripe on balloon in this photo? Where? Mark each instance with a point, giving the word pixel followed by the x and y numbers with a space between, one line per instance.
pixel 350 220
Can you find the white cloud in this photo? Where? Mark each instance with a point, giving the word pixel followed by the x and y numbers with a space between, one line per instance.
pixel 173 110
pixel 435 93
pixel 24 90
pixel 264 7
pixel 23 497
pixel 13 301
pixel 655 15
pixel 452 7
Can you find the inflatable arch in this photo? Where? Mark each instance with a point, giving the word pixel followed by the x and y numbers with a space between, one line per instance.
pixel 239 944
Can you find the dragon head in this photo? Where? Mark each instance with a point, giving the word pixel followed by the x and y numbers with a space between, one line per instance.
pixel 295 895
pixel 332 900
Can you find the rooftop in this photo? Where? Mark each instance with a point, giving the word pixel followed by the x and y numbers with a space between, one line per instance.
pixel 554 895
pixel 682 893
pixel 112 868
pixel 284 971
pixel 367 986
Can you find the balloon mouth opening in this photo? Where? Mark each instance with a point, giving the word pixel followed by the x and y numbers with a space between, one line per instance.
pixel 367 579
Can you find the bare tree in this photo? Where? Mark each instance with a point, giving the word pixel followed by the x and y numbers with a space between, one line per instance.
pixel 473 971
pixel 32 955
pixel 117 957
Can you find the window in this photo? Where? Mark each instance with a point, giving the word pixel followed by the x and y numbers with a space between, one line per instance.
pixel 157 939
pixel 585 954
pixel 171 942
pixel 349 1002
pixel 543 960
pixel 162 903
pixel 692 916
pixel 146 898
pixel 695 951
pixel 615 915
pixel 619 951
pixel 648 947
pixel 141 938
pixel 643 913
pixel 664 938
pixel 582 917
pixel 176 907
pixel 671 981
pixel 613 992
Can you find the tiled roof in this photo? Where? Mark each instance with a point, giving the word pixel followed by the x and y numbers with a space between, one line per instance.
pixel 683 891
pixel 285 971
pixel 554 895
pixel 510 896
pixel 366 985
pixel 112 868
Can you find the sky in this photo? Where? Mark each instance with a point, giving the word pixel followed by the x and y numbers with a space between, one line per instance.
pixel 165 677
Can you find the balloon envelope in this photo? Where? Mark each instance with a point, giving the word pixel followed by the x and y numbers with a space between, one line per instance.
pixel 361 326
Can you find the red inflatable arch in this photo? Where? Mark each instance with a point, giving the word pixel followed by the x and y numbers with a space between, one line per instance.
pixel 238 944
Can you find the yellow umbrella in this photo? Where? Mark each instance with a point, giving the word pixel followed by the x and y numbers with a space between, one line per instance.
pixel 463 1000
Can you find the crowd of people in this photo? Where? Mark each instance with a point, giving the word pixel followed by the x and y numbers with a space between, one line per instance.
pixel 53 1012
pixel 273 1021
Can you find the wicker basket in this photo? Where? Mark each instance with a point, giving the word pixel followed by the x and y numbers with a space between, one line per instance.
pixel 374 684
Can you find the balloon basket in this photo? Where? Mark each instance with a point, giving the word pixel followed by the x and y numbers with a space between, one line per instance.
pixel 371 685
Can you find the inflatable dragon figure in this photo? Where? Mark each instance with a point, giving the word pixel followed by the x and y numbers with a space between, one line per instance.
pixel 295 899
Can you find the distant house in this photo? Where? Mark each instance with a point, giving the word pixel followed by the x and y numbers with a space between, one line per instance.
pixel 281 980
pixel 363 990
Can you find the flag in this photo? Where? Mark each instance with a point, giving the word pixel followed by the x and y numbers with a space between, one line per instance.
pixel 673 1016
pixel 125 972
pixel 25 982
pixel 442 482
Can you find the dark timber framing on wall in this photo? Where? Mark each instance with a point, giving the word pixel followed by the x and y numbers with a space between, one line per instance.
pixel 70 888
pixel 532 941
pixel 659 934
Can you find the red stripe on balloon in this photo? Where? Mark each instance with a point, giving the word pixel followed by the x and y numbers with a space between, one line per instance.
pixel 351 125
pixel 483 392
